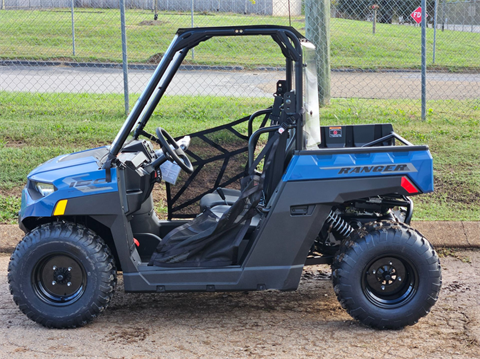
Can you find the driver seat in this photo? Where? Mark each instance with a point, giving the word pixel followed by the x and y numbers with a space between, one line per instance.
pixel 226 197
pixel 223 198
pixel 212 241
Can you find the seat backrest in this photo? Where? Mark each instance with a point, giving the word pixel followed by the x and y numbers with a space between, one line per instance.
pixel 282 153
pixel 277 167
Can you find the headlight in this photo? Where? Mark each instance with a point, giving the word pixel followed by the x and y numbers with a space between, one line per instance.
pixel 45 188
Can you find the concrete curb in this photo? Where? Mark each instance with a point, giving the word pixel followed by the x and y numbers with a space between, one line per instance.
pixel 151 67
pixel 109 65
pixel 439 233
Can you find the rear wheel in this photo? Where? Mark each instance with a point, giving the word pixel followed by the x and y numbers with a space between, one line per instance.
pixel 387 275
pixel 62 275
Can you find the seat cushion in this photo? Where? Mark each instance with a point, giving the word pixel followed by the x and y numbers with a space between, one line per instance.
pixel 213 199
pixel 221 209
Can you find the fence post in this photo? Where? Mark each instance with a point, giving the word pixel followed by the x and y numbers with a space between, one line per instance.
pixel 192 16
pixel 73 28
pixel 443 15
pixel 424 60
pixel 124 56
pixel 435 30
pixel 473 9
pixel 317 30
pixel 374 7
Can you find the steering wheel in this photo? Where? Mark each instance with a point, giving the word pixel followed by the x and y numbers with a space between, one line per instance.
pixel 174 154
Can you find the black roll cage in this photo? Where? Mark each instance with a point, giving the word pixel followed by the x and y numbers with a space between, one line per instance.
pixel 287 38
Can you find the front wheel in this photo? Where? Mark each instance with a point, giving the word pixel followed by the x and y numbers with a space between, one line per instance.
pixel 387 275
pixel 62 275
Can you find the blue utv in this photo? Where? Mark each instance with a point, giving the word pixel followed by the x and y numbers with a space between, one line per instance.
pixel 257 200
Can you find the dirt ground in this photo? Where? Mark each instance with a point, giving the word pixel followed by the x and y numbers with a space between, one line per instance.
pixel 306 323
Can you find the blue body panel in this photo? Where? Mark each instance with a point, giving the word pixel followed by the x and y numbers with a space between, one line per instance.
pixel 416 165
pixel 76 177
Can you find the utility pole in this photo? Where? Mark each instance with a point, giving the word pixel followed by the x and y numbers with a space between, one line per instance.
pixel 317 30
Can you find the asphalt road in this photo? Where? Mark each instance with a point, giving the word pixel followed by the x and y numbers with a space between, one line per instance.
pixel 305 323
pixel 380 85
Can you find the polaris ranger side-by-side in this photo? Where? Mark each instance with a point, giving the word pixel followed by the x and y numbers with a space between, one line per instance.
pixel 257 199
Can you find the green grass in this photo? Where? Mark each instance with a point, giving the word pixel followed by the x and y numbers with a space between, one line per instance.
pixel 398 46
pixel 9 206
pixel 47 35
pixel 34 129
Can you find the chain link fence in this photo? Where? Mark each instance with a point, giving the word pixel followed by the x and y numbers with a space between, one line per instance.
pixel 75 46
pixel 381 41
pixel 460 16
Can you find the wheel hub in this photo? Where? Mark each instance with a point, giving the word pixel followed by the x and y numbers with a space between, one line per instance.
pixel 62 276
pixel 384 276
pixel 59 279
pixel 389 282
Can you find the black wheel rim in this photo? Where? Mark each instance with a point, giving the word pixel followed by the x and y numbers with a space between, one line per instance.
pixel 59 279
pixel 389 282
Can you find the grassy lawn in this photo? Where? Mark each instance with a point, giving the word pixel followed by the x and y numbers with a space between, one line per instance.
pixel 47 35
pixel 33 130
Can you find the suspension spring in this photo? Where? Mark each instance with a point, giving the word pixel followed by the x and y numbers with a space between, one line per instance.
pixel 339 225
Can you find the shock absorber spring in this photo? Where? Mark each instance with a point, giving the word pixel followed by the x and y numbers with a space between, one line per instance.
pixel 339 225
